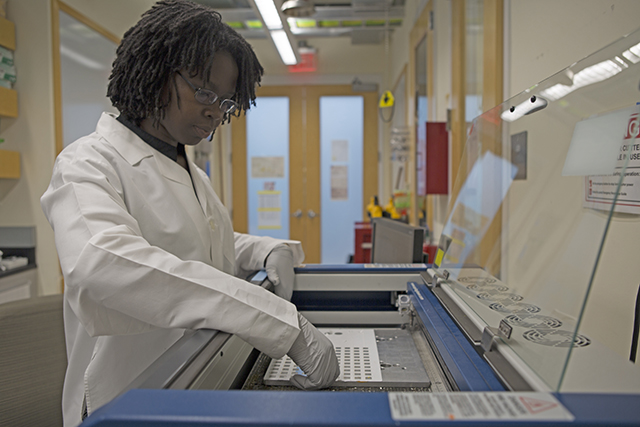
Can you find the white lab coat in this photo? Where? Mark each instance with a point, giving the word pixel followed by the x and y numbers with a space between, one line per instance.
pixel 144 259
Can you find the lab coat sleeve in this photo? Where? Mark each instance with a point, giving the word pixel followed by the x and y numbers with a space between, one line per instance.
pixel 117 283
pixel 252 251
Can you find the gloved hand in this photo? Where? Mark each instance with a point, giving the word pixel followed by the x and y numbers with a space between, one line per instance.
pixel 315 355
pixel 279 266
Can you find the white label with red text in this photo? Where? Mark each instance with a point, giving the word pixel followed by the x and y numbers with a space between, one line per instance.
pixel 477 406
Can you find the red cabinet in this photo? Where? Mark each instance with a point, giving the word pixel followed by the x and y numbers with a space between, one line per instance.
pixel 362 254
pixel 433 160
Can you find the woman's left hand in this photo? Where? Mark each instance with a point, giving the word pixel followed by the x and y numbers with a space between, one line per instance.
pixel 279 266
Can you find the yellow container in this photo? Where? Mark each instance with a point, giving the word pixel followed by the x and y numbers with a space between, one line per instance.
pixel 8 102
pixel 7 34
pixel 9 164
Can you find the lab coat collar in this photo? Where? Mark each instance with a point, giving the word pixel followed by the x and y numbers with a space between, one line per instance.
pixel 134 149
pixel 172 170
pixel 171 151
pixel 127 143
pixel 198 185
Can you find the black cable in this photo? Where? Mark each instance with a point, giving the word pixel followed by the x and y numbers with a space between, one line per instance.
pixel 636 329
pixel 393 108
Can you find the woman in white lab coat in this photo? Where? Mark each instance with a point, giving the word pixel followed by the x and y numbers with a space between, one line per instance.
pixel 147 249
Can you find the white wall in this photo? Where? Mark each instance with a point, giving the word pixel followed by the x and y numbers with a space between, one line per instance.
pixel 335 57
pixel 549 35
pixel 545 37
pixel 32 133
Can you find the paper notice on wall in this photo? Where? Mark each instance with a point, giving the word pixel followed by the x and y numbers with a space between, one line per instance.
pixel 595 144
pixel 340 150
pixel 339 182
pixel 267 167
pixel 494 406
pixel 601 191
pixel 269 210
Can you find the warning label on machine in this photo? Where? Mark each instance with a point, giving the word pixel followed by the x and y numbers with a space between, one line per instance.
pixel 477 406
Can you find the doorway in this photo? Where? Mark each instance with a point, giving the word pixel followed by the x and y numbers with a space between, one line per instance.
pixel 305 164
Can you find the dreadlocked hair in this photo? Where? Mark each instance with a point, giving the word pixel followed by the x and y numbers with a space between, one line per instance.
pixel 171 36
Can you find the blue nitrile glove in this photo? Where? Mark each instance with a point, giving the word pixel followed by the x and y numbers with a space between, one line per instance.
pixel 315 355
pixel 279 266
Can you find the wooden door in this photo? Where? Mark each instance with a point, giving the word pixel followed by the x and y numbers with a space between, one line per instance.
pixel 304 202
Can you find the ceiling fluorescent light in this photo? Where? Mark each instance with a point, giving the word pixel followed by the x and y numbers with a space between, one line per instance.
pixel 270 15
pixel 590 75
pixel 633 54
pixel 284 47
pixel 596 73
pixel 278 30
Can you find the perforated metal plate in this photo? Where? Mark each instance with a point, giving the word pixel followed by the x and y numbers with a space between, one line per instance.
pixel 360 361
pixel 356 351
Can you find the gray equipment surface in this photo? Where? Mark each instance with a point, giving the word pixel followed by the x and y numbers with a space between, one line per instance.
pixel 395 353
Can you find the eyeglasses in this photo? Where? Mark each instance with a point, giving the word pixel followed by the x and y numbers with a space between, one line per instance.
pixel 208 97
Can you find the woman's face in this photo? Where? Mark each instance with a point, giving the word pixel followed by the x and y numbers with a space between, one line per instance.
pixel 190 122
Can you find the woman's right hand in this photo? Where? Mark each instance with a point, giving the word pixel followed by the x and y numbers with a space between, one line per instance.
pixel 315 355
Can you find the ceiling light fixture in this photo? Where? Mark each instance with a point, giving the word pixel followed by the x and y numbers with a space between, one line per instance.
pixel 633 54
pixel 298 8
pixel 269 13
pixel 278 30
pixel 285 50
pixel 590 75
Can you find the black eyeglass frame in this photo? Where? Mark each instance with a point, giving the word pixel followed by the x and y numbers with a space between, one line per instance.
pixel 210 97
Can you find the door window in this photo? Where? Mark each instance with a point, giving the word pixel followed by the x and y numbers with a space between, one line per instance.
pixel 341 137
pixel 268 167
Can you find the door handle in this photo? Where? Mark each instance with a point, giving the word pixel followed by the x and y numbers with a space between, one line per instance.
pixel 311 214
pixel 297 214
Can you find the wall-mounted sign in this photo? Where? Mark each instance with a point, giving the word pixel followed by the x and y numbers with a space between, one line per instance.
pixel 269 210
pixel 623 185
